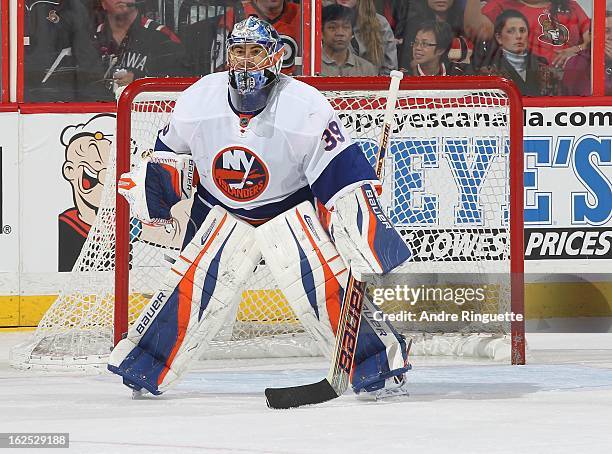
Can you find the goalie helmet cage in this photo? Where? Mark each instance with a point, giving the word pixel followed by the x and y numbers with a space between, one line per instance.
pixel 438 92
pixel 473 123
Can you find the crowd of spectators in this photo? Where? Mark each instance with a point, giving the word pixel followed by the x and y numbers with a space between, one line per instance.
pixel 82 50
pixel 543 46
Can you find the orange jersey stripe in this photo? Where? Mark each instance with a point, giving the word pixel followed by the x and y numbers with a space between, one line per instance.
pixel 324 215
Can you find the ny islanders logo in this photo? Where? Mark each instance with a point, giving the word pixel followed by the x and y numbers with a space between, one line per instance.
pixel 239 173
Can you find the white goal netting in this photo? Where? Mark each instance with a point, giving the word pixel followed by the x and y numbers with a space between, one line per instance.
pixel 446 187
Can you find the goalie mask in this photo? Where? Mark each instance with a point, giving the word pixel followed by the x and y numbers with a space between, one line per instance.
pixel 254 58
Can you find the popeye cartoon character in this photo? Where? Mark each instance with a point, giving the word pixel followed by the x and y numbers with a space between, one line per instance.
pixel 87 152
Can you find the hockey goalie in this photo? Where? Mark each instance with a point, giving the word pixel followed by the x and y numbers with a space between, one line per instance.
pixel 267 149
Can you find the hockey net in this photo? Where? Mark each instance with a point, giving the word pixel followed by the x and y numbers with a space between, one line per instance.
pixel 452 186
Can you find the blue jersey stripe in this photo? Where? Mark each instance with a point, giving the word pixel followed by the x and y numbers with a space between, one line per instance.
pixel 264 212
pixel 161 146
pixel 348 167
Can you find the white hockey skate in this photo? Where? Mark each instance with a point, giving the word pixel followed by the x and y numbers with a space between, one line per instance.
pixel 394 387
pixel 139 394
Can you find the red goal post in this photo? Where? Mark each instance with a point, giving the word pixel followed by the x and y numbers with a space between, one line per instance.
pixel 374 84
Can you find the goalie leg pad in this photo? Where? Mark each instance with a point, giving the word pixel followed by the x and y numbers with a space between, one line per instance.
pixel 199 291
pixel 381 351
pixel 364 235
pixel 307 268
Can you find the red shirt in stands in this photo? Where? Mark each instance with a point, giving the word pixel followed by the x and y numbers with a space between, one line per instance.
pixel 287 24
pixel 545 36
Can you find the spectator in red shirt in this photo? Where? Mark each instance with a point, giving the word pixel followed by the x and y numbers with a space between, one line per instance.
pixel 558 29
pixel 577 71
pixel 283 15
pixel 512 58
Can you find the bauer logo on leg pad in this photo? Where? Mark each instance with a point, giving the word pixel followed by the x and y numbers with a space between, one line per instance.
pixel 149 314
pixel 199 292
pixel 188 179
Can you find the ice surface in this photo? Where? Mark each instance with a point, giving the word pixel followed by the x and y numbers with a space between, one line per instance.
pixel 561 402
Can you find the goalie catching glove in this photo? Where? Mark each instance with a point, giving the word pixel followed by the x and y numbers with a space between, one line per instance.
pixel 156 184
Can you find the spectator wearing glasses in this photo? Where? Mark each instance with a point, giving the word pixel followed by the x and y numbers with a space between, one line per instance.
pixel 430 48
pixel 449 11
pixel 338 58
pixel 373 38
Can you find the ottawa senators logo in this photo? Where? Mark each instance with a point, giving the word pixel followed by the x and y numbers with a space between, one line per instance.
pixel 552 31
pixel 53 17
pixel 239 173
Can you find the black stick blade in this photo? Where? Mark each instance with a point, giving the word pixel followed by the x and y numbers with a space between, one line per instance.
pixel 296 396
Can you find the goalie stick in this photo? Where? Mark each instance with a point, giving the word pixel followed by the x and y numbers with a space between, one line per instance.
pixel 337 381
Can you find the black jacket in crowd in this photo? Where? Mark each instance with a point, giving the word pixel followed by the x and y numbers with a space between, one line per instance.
pixel 535 81
pixel 60 61
pixel 148 50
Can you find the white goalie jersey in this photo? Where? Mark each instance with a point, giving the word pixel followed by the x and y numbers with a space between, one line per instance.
pixel 258 166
